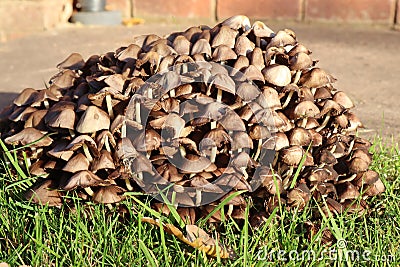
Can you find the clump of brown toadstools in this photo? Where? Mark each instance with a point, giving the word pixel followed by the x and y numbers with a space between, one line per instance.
pixel 85 106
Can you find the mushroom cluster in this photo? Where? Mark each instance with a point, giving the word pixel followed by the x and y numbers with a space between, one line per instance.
pixel 76 133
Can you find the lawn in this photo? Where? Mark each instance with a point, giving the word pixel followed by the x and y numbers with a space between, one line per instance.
pixel 95 235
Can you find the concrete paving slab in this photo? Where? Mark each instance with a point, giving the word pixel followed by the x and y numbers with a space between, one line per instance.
pixel 365 61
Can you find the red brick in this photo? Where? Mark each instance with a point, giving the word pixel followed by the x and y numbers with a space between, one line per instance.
pixel 260 9
pixel 349 10
pixel 22 17
pixel 174 8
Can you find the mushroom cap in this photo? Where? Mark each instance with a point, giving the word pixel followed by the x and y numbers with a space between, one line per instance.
pixel 368 177
pixel 269 98
pixel 225 36
pixel 241 63
pixel 300 61
pixel 223 53
pixel 60 151
pixel 109 194
pixel 36 120
pixel 21 113
pixel 277 141
pixel 105 161
pixel 93 119
pixel 26 97
pixel 241 140
pixel 44 192
pixel 205 186
pixel 262 30
pixel 257 58
pixel 316 78
pixel 342 99
pixel 64 119
pixel 202 46
pixel 247 91
pixel 78 163
pixel 83 179
pixel 29 136
pixel 299 137
pixel 237 22
pixel 278 75
pixel 224 82
pixel 72 62
pixel 282 38
pixel 252 73
pixel 243 46
pixel 305 109
pixel 375 189
pixel 292 155
pixel 129 53
pixel 299 196
pixel 347 191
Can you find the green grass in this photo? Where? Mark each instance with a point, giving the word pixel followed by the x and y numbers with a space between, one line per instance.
pixel 93 235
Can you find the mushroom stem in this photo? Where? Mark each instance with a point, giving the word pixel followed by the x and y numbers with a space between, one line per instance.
pixel 109 206
pixel 258 41
pixel 213 154
pixel 172 93
pixel 219 95
pixel 239 150
pixel 182 151
pixel 198 197
pixel 109 106
pixel 324 123
pixel 128 184
pixel 304 122
pixel 289 97
pixel 258 151
pixel 107 144
pixel 88 191
pixel 123 130
pixel 71 133
pixel 297 77
pixel 213 125
pixel 230 210
pixel 137 113
pixel 46 104
pixel 87 152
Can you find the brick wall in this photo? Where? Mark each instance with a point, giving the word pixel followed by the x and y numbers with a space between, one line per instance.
pixel 385 12
pixel 20 17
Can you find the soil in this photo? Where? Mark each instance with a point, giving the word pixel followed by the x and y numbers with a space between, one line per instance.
pixel 364 59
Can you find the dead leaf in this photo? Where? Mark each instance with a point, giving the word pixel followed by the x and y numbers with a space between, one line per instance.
pixel 196 238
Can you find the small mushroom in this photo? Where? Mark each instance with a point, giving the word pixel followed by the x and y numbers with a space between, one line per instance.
pixel 261 30
pixel 77 163
pixel 45 192
pixel 29 136
pixel 93 119
pixel 109 194
pixel 299 196
pixel 278 75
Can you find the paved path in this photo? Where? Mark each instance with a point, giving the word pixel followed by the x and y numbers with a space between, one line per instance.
pixel 365 61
